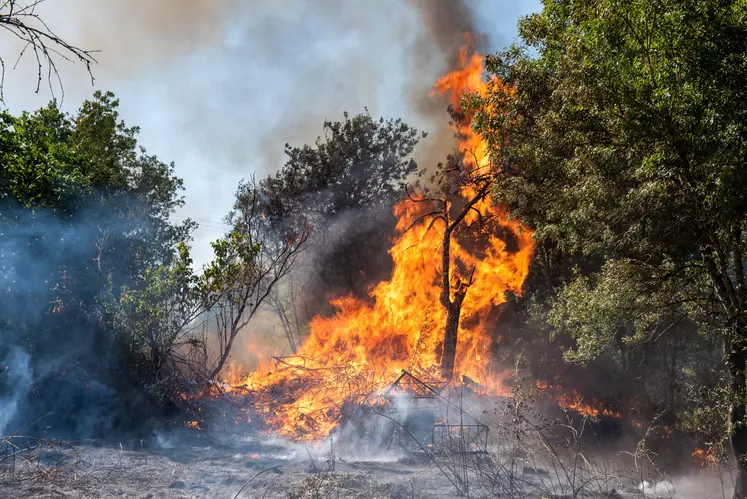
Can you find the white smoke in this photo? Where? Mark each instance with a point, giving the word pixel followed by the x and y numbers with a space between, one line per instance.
pixel 657 488
pixel 17 372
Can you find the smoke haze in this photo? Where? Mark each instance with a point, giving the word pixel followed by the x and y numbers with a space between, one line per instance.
pixel 220 87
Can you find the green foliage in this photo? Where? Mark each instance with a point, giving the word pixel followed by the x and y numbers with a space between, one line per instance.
pixel 235 263
pixel 359 162
pixel 620 128
pixel 91 267
pixel 41 168
pixel 615 304
pixel 624 139
pixel 159 312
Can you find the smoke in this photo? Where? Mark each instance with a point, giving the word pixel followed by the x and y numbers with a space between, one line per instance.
pixel 220 87
pixel 222 62
pixel 17 374
pixel 446 23
pixel 63 358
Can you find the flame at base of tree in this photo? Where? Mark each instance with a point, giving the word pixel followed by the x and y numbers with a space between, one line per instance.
pixel 364 345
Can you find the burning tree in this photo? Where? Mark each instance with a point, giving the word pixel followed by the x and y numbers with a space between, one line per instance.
pixel 367 342
pixel 462 187
pixel 343 185
pixel 460 201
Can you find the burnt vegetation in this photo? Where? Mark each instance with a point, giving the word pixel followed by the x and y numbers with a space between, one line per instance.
pixel 615 133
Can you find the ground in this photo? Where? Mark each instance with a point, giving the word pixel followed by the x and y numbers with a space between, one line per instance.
pixel 191 465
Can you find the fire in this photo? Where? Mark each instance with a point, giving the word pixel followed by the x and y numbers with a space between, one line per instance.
pixel 348 358
pixel 468 79
pixel 705 457
pixel 575 402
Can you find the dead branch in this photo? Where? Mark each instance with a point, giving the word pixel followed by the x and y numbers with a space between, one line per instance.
pixel 252 479
pixel 24 23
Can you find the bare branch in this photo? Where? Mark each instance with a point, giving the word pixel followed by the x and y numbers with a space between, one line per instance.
pixel 23 23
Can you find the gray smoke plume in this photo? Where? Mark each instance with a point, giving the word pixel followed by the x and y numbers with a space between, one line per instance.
pixel 446 23
pixel 220 87
pixel 341 54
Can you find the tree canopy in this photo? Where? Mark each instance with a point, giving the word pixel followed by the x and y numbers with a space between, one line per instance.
pixel 624 146
pixel 343 186
pixel 84 213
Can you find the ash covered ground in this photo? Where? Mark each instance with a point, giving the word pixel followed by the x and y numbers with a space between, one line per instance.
pixel 184 463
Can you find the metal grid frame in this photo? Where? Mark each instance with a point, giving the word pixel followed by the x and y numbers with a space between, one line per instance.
pixel 459 439
pixel 408 385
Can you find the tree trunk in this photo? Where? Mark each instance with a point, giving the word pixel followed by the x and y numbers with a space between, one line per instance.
pixel 453 308
pixel 450 341
pixel 223 357
pixel 451 333
pixel 738 427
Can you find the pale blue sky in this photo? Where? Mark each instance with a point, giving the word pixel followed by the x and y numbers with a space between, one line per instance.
pixel 220 87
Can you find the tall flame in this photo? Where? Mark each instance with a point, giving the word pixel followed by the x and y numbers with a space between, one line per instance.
pixel 359 349
pixel 467 80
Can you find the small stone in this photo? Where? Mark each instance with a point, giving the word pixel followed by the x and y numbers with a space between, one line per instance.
pixel 178 485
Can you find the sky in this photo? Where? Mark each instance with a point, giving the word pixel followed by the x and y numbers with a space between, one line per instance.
pixel 220 86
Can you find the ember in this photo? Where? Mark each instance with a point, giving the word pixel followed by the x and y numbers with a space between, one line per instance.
pixel 705 457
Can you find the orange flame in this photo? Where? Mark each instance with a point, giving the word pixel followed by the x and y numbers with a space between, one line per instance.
pixel 575 402
pixel 349 357
pixel 705 457
pixel 195 425
pixel 467 80
pixel 365 344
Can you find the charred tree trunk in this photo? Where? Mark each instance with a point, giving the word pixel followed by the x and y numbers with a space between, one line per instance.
pixel 451 333
pixel 453 307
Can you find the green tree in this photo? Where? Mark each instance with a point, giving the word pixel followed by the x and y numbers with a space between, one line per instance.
pixel 158 317
pixel 84 213
pixel 343 187
pixel 249 264
pixel 624 145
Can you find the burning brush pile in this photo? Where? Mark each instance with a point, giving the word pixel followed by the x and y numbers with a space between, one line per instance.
pixel 349 359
